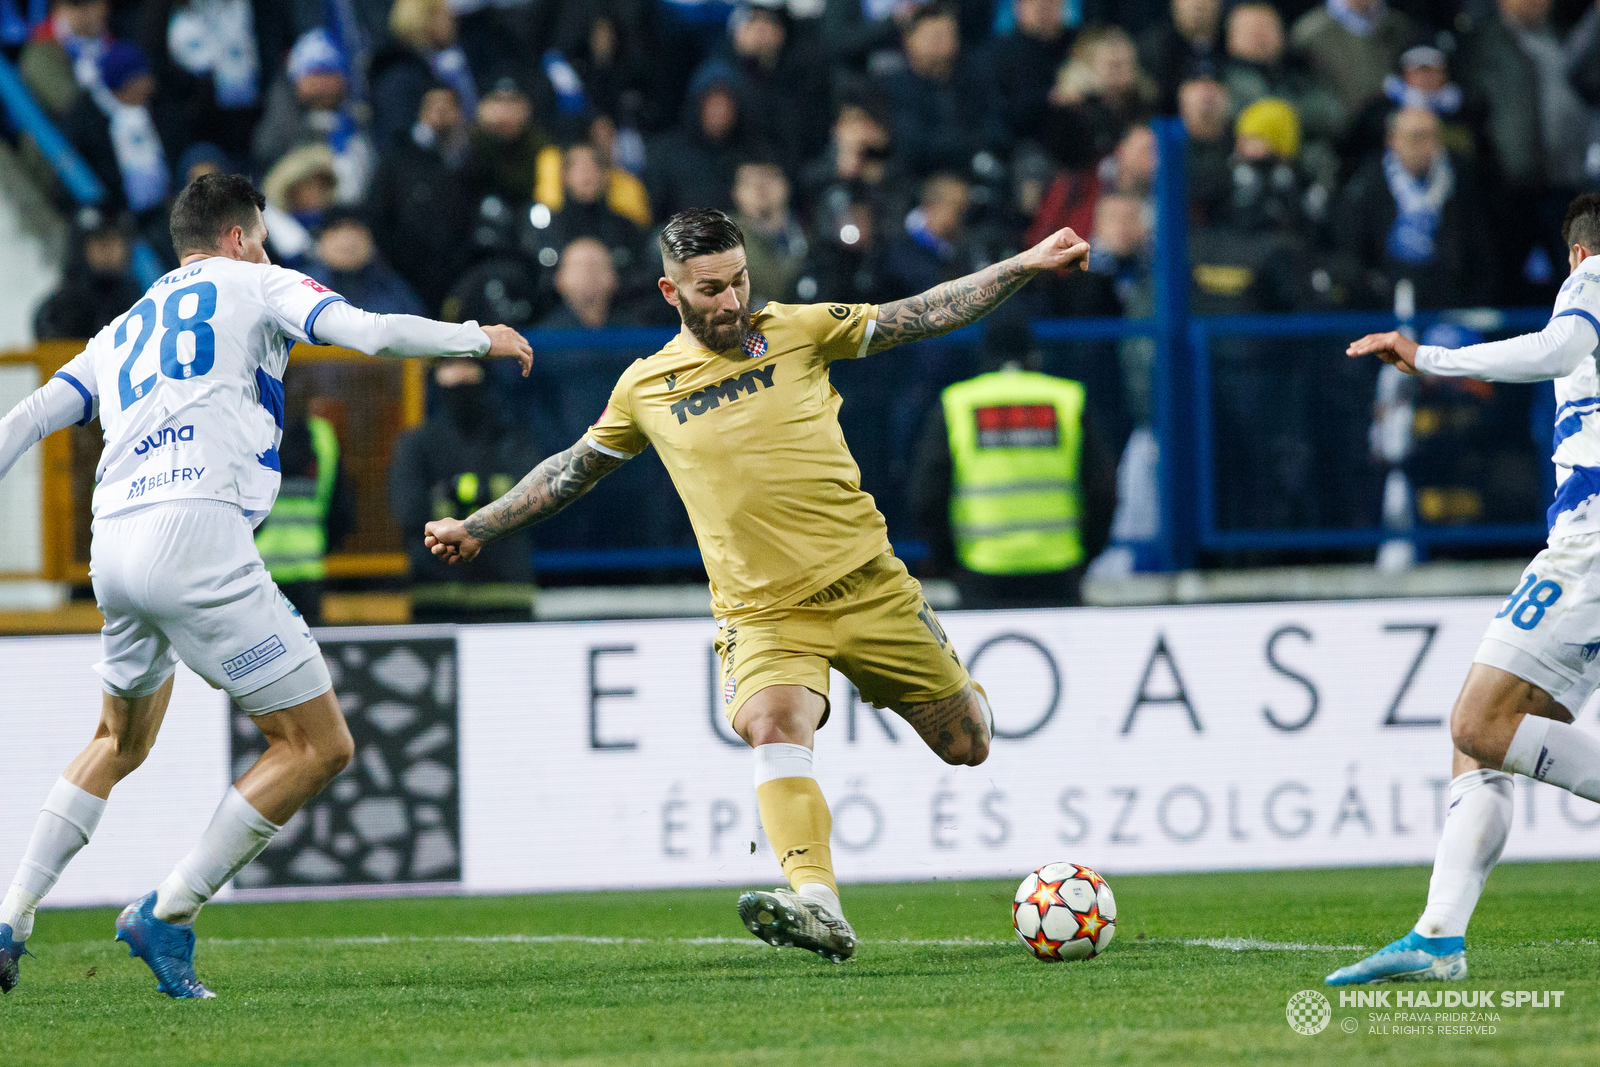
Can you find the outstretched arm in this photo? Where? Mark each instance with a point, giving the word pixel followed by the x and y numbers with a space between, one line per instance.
pixel 547 489
pixel 1553 352
pixel 409 336
pixel 966 300
pixel 53 406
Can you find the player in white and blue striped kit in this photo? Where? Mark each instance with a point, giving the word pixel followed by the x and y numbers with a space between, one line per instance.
pixel 188 386
pixel 1537 664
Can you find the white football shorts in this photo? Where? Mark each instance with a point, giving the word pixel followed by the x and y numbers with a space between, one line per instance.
pixel 1548 630
pixel 183 580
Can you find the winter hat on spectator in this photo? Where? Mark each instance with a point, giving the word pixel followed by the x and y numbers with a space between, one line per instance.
pixel 295 167
pixel 204 152
pixel 315 53
pixel 1273 121
pixel 120 63
pixel 1423 56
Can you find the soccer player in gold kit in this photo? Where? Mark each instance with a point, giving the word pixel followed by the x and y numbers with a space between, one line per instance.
pixel 739 407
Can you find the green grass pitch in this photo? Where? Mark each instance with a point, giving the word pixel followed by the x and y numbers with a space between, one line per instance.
pixel 939 979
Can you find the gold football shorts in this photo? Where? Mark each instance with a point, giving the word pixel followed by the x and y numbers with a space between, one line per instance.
pixel 872 625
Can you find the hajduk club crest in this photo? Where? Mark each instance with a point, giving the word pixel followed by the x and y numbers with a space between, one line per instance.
pixel 755 345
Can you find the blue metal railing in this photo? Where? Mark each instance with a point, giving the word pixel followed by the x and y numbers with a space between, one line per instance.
pixel 76 176
pixel 1203 329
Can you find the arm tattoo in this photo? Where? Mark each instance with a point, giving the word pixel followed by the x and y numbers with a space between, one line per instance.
pixel 548 488
pixel 949 306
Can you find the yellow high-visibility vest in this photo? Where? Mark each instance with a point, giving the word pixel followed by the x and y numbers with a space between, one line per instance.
pixel 1016 442
pixel 294 540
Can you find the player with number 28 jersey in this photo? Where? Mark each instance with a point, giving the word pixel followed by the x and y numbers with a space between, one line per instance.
pixel 188 385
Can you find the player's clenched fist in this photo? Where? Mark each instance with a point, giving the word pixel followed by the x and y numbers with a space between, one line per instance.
pixel 449 540
pixel 1394 348
pixel 1062 250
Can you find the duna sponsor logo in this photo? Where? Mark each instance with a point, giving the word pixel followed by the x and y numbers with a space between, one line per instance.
pixel 161 438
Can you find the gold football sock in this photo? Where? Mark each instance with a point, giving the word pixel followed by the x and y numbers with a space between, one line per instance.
pixel 798 824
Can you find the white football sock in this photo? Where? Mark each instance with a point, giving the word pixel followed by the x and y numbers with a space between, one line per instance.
pixel 66 822
pixel 1476 826
pixel 237 834
pixel 820 893
pixel 1557 753
pixel 782 760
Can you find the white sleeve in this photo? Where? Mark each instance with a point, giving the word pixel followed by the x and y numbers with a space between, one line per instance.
pixel 1553 352
pixel 296 302
pixel 57 404
pixel 398 336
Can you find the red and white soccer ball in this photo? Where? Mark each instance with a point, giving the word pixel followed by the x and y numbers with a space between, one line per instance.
pixel 1064 911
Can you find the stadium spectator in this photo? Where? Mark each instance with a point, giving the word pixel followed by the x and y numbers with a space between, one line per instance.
pixel 113 129
pixel 202 157
pixel 310 104
pixel 1099 94
pixel 59 59
pixel 1271 191
pixel 934 101
pixel 463 457
pixel 858 164
pixel 692 165
pixel 783 89
pixel 422 52
pixel 1350 46
pixel 1256 68
pixel 865 34
pixel 1423 81
pixel 1071 196
pixel 1538 124
pixel 774 244
pixel 346 260
pixel 585 212
pixel 845 262
pixel 507 141
pixel 625 193
pixel 1203 108
pixel 929 249
pixel 1018 69
pixel 299 189
pixel 587 283
pixel 1185 45
pixel 316 506
pixel 425 196
pixel 96 285
pixel 1414 213
pixel 214 61
pixel 606 42
pixel 980 503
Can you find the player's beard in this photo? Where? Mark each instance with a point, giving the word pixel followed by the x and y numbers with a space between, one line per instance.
pixel 717 331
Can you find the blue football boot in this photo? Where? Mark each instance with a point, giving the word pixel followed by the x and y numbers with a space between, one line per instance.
pixel 11 953
pixel 166 947
pixel 1413 958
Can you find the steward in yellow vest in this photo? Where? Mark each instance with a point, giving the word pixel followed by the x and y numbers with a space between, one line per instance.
pixel 311 514
pixel 1013 490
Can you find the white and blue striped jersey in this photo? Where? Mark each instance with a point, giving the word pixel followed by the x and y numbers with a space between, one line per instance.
pixel 1566 352
pixel 1577 432
pixel 188 384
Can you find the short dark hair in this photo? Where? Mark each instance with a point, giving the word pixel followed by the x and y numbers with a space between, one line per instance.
pixel 939 9
pixel 1582 224
pixel 701 232
pixel 209 207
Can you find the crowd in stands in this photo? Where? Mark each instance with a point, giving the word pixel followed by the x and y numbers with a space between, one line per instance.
pixel 447 155
pixel 507 160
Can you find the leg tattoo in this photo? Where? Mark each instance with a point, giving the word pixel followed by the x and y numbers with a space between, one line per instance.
pixel 952 727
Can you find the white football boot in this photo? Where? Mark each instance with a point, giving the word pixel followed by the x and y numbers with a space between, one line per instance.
pixel 785 919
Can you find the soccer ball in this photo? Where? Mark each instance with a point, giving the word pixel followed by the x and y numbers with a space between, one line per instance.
pixel 1064 911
